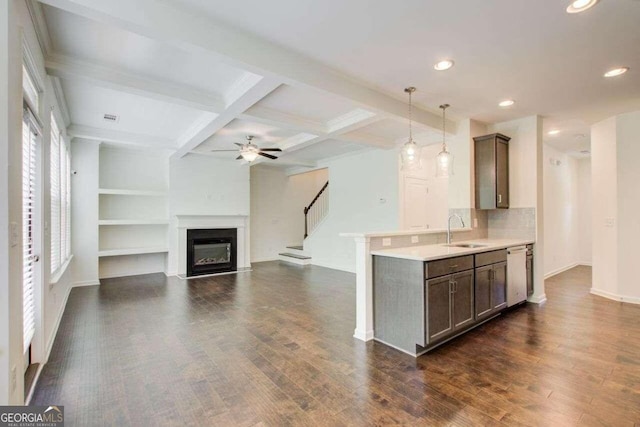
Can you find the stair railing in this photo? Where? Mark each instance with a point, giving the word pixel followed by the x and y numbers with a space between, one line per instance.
pixel 316 211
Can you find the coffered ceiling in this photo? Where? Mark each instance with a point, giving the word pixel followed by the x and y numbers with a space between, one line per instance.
pixel 325 78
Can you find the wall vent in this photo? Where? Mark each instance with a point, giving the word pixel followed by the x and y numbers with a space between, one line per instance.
pixel 111 118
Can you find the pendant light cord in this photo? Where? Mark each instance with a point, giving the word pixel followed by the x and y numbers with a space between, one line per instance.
pixel 444 123
pixel 410 116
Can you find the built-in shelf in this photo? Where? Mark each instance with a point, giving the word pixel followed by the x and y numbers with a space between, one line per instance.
pixel 122 192
pixel 131 251
pixel 133 222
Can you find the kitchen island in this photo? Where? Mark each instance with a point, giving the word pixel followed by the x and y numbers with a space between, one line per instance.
pixel 423 296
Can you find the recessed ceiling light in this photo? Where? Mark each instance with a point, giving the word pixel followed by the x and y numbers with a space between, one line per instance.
pixel 578 6
pixel 443 65
pixel 507 103
pixel 553 132
pixel 616 72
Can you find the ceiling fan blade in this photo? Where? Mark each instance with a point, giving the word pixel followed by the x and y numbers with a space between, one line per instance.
pixel 269 156
pixel 238 144
pixel 270 149
pixel 239 158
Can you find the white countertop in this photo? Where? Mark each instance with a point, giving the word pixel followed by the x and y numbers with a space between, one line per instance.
pixel 439 251
pixel 405 232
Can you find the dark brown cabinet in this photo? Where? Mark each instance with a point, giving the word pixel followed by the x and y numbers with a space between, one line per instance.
pixel 449 304
pixel 492 171
pixel 490 283
pixel 439 298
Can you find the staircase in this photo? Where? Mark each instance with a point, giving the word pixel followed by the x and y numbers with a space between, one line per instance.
pixel 313 216
pixel 295 255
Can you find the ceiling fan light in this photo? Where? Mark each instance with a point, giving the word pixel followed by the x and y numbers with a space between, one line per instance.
pixel 249 155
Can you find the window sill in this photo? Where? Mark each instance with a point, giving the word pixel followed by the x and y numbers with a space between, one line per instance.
pixel 55 278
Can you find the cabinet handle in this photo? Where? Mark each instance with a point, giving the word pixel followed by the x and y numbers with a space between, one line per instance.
pixel 499 198
pixel 453 267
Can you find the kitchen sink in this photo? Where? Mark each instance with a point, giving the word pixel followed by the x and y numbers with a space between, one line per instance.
pixel 466 245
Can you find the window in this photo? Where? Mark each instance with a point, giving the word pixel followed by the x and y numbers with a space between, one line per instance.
pixel 60 199
pixel 30 91
pixel 29 153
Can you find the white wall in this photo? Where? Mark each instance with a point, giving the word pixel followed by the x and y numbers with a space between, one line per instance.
pixel 584 211
pixel 363 197
pixel 628 221
pixel 561 211
pixel 204 185
pixel 277 203
pixel 604 186
pixel 84 211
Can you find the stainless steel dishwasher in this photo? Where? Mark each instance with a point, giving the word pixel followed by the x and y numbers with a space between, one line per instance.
pixel 516 275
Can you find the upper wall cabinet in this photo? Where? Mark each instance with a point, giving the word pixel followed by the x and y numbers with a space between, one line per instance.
pixel 492 171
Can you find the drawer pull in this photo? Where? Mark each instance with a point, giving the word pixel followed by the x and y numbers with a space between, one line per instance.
pixel 453 267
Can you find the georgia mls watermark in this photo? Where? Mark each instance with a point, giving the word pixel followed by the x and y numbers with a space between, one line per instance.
pixel 31 416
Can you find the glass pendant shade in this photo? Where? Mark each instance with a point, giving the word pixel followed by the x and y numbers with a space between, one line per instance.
pixel 444 163
pixel 410 156
pixel 444 159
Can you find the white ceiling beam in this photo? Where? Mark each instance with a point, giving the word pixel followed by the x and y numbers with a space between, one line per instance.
pixel 280 119
pixel 119 137
pixel 255 93
pixel 363 138
pixel 174 24
pixel 69 68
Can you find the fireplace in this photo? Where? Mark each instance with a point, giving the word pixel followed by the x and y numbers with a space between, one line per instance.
pixel 211 251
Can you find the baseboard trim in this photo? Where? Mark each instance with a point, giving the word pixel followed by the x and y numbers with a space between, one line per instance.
pixel 585 263
pixel 85 283
pixel 561 270
pixel 615 297
pixel 540 299
pixel 363 335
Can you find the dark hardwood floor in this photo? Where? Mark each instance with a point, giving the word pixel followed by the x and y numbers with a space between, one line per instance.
pixel 275 347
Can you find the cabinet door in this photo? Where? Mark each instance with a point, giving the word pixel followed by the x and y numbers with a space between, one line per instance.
pixel 483 290
pixel 439 323
pixel 529 276
pixel 502 173
pixel 499 286
pixel 463 310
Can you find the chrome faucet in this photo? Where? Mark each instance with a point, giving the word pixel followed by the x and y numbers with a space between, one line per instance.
pixel 449 226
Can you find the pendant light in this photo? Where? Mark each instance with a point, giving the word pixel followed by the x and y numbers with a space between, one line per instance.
pixel 444 160
pixel 410 151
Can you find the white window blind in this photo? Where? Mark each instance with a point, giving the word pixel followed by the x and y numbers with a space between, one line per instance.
pixel 60 170
pixel 29 135
pixel 56 255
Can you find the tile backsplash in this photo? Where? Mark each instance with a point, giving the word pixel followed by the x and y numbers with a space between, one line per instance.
pixel 512 223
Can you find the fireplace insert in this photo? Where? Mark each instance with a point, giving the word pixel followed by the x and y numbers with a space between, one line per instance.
pixel 211 251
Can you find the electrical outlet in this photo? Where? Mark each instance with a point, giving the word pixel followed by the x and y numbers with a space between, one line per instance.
pixel 386 241
pixel 382 200
pixel 475 222
pixel 414 239
pixel 609 222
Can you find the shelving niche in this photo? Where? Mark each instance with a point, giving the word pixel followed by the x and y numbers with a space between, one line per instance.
pixel 133 211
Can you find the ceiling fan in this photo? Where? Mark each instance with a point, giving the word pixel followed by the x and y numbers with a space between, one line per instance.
pixel 251 151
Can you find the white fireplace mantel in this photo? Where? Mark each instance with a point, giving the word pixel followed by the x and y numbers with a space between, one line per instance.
pixel 182 223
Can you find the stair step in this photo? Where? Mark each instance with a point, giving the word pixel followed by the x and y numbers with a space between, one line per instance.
pixel 290 258
pixel 298 247
pixel 296 256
